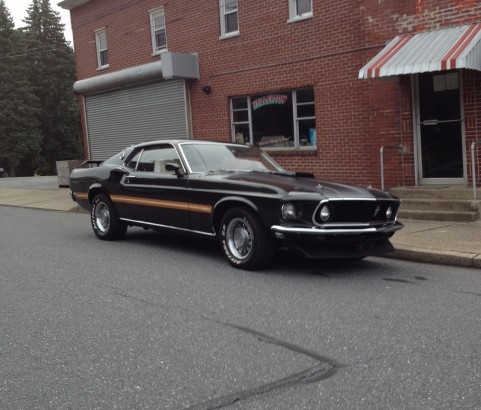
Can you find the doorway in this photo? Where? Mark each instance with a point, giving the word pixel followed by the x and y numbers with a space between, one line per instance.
pixel 441 158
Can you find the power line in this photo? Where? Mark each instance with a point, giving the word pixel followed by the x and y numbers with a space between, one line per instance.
pixel 28 52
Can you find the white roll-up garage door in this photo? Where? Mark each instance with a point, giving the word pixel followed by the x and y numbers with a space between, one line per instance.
pixel 128 116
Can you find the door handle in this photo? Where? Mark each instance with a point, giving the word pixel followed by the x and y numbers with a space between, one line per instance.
pixel 129 179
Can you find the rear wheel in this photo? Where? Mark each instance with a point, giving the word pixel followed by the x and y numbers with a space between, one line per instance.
pixel 244 239
pixel 105 222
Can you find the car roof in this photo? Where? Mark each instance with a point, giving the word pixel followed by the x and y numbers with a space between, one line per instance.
pixel 183 141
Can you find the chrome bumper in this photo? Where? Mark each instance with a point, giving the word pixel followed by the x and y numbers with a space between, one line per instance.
pixel 320 231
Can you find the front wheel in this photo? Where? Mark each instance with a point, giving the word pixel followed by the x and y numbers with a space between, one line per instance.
pixel 105 222
pixel 245 241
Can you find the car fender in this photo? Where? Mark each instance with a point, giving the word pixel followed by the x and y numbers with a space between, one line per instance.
pixel 228 202
pixel 95 189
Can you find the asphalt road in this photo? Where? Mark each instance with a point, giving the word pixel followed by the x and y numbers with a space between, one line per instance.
pixel 163 322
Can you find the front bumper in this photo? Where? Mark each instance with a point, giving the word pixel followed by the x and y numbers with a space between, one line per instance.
pixel 331 232
pixel 336 243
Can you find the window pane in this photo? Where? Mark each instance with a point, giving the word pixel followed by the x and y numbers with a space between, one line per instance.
pixel 272 120
pixel 241 133
pixel 231 23
pixel 307 133
pixel 104 60
pixel 239 103
pixel 241 116
pixel 159 21
pixel 160 40
pixel 306 111
pixel 230 5
pixel 102 41
pixel 303 6
pixel 304 96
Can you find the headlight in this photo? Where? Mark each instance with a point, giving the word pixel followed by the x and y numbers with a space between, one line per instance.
pixel 325 213
pixel 388 213
pixel 289 212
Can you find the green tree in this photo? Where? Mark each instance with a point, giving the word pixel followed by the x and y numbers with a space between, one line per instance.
pixel 20 138
pixel 52 75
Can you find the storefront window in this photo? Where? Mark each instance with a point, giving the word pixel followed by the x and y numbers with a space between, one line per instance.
pixel 278 121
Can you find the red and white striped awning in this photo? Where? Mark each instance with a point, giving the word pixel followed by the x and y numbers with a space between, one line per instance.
pixel 438 50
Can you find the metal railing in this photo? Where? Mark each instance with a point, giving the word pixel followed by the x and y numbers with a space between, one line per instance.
pixel 399 148
pixel 473 164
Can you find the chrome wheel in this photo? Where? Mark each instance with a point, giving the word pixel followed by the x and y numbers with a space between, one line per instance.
pixel 244 239
pixel 240 238
pixel 102 217
pixel 105 220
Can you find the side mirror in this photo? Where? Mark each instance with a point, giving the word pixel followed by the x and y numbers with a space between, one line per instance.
pixel 172 166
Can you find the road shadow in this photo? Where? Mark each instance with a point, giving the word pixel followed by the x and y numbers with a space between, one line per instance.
pixel 284 263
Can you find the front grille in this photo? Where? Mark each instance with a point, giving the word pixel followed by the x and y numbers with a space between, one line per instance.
pixel 358 211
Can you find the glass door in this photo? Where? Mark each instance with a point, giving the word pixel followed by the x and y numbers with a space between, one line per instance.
pixel 441 157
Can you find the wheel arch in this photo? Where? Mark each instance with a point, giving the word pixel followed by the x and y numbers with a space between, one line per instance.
pixel 96 189
pixel 221 207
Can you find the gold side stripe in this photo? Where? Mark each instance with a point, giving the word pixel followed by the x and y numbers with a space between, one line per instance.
pixel 82 195
pixel 183 206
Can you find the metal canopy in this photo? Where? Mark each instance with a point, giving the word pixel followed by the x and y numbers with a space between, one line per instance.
pixel 438 50
pixel 171 66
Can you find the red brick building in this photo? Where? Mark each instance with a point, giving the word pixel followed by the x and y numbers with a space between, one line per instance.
pixel 322 85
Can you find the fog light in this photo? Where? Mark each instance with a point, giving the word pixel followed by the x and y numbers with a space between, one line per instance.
pixel 389 213
pixel 289 212
pixel 325 213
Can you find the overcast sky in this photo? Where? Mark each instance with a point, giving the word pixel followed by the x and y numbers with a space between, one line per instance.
pixel 18 10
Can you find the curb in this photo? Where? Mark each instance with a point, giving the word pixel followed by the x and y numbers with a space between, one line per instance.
pixel 449 258
pixel 78 209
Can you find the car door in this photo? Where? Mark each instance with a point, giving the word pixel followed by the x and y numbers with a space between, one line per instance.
pixel 149 193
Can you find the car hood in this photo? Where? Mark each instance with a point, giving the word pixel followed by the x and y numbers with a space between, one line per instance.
pixel 292 184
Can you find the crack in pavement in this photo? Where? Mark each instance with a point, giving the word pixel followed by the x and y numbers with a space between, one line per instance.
pixel 325 368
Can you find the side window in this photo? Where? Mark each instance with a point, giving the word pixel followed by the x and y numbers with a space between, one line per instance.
pixel 229 21
pixel 299 10
pixel 157 28
pixel 132 163
pixel 154 159
pixel 101 43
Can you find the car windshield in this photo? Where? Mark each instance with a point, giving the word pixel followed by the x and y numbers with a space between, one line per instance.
pixel 221 158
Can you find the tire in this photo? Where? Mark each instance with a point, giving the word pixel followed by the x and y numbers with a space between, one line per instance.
pixel 244 240
pixel 105 221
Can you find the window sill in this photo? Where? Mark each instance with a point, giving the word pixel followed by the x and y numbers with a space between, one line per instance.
pixel 302 17
pixel 229 35
pixel 159 52
pixel 104 67
pixel 311 151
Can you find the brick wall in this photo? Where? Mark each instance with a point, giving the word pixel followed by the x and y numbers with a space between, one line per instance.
pixel 354 118
pixel 127 25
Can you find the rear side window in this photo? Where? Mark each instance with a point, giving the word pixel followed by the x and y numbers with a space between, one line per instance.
pixel 154 159
pixel 132 163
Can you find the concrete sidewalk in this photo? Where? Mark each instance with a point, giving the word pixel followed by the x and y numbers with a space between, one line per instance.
pixel 446 243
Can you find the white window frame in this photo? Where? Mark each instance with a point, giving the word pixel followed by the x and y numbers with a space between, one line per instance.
pixel 294 15
pixel 223 25
pixel 296 120
pixel 159 12
pixel 98 44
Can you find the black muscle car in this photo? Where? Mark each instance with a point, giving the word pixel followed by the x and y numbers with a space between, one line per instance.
pixel 237 195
